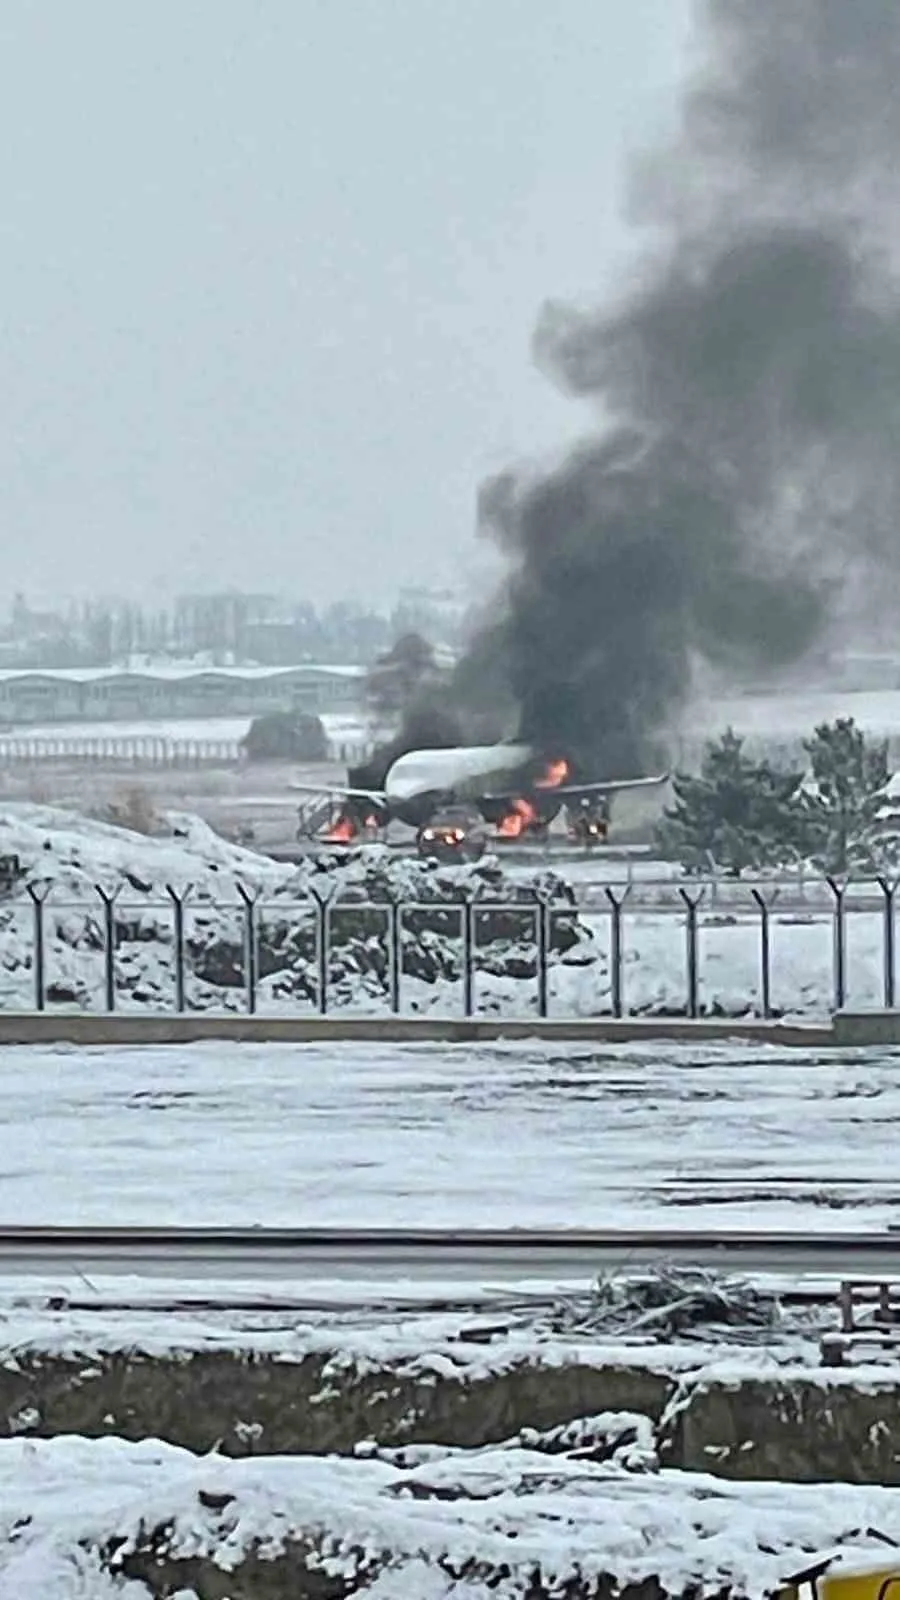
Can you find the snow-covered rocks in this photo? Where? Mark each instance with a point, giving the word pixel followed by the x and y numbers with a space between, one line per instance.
pixel 511 1447
pixel 190 903
pixel 101 1519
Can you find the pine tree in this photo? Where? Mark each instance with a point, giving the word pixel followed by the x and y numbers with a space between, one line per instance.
pixel 848 821
pixel 737 815
pixel 286 736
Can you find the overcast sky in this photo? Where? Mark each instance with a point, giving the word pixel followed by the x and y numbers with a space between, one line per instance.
pixel 270 269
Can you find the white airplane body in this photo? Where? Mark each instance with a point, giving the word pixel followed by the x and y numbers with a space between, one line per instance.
pixel 423 772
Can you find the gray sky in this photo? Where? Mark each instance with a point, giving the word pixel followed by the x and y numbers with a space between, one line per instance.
pixel 270 268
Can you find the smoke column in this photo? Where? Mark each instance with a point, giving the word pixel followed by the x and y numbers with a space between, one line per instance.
pixel 742 482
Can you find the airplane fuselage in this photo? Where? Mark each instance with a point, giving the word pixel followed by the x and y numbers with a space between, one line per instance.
pixel 420 783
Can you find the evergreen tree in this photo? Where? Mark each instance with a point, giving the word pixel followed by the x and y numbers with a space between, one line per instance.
pixel 286 736
pixel 736 815
pixel 848 821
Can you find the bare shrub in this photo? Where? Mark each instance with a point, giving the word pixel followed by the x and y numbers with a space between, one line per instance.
pixel 133 809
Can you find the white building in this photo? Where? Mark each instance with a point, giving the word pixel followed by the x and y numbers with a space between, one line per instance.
pixel 109 694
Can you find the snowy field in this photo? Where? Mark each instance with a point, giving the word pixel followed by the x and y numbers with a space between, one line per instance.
pixel 492 1135
pixel 474 1523
pixel 795 715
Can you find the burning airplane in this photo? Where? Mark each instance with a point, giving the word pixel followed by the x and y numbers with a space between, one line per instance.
pixel 737 496
pixel 454 798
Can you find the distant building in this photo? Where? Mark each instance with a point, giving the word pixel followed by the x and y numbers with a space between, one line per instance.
pixel 109 694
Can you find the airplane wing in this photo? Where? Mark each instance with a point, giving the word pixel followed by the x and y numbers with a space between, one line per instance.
pixel 616 785
pixel 339 790
pixel 572 790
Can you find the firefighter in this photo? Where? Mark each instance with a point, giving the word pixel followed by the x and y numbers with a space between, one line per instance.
pixel 589 825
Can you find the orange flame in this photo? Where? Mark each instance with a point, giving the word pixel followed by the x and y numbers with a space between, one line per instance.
pixel 517 821
pixel 555 773
pixel 342 831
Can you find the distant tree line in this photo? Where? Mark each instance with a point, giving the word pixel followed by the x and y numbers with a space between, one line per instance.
pixel 220 627
pixel 742 814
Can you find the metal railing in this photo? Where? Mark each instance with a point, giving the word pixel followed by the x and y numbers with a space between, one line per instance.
pixel 230 952
pixel 143 750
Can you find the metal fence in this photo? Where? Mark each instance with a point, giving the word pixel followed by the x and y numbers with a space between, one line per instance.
pixel 801 896
pixel 143 750
pixel 394 933
pixel 798 890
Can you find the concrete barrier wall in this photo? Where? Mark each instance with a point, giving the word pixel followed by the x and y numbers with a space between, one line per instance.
pixel 89 1029
pixel 866 1028
pixel 846 1030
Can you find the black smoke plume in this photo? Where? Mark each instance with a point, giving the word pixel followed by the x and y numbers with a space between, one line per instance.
pixel 742 482
pixel 428 724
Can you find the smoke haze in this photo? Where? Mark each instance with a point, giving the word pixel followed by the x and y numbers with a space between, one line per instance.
pixel 742 484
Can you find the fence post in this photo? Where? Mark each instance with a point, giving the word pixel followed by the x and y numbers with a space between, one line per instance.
pixel 250 900
pixel 467 918
pixel 889 890
pixel 542 946
pixel 178 904
pixel 616 907
pixel 839 890
pixel 395 948
pixel 764 907
pixel 108 901
pixel 38 897
pixel 322 902
pixel 691 905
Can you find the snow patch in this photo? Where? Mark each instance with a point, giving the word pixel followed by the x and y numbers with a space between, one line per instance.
pixel 492 1517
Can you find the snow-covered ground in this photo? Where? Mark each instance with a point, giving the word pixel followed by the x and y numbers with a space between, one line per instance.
pixel 453 1524
pixel 795 715
pixel 70 856
pixel 674 1321
pixel 511 1135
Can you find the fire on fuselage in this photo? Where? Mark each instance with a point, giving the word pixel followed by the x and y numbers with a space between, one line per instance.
pixel 529 816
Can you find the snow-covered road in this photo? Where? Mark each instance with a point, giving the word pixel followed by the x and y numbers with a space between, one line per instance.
pixel 441 1136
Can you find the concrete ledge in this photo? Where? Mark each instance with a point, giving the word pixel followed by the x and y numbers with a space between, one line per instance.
pixel 866 1027
pixel 89 1029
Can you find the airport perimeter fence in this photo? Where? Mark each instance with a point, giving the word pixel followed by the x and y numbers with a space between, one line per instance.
pixel 143 751
pixel 170 952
